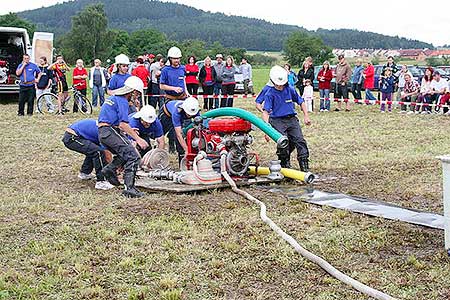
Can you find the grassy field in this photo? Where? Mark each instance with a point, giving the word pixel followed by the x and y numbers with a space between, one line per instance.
pixel 62 239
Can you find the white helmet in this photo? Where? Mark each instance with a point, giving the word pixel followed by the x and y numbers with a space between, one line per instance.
pixel 122 59
pixel 132 83
pixel 174 52
pixel 278 75
pixel 147 113
pixel 190 106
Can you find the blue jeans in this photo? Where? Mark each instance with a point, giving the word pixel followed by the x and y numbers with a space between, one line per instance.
pixel 98 91
pixel 369 95
pixel 216 92
pixel 324 99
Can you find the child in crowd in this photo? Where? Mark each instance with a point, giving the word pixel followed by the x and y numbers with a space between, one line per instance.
pixel 308 95
pixel 387 88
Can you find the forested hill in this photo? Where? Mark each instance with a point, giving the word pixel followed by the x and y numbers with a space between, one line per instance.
pixel 181 22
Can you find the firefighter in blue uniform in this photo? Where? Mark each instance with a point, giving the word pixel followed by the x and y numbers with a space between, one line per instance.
pixel 82 137
pixel 112 127
pixel 279 111
pixel 176 115
pixel 147 126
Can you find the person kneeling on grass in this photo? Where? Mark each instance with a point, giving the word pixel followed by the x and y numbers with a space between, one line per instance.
pixel 279 111
pixel 146 124
pixel 112 124
pixel 82 137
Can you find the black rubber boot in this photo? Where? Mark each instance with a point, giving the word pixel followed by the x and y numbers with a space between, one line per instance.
pixel 130 190
pixel 110 174
pixel 304 165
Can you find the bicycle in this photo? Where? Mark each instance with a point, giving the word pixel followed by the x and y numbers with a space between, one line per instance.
pixel 47 103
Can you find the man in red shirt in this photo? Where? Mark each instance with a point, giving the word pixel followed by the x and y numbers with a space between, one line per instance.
pixel 141 72
pixel 79 80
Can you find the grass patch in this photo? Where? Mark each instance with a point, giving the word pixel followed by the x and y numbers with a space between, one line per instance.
pixel 62 239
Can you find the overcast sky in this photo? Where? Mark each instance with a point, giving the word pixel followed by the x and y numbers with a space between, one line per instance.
pixel 403 18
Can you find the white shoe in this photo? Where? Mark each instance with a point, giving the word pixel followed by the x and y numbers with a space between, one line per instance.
pixel 84 176
pixel 326 110
pixel 103 185
pixel 321 110
pixel 410 113
pixel 383 112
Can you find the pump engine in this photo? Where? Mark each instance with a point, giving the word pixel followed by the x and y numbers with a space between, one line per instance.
pixel 214 136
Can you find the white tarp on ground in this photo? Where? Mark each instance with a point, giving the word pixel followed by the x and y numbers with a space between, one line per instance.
pixel 364 206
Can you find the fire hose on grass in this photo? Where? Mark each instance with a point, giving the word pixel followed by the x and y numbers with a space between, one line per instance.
pixel 305 253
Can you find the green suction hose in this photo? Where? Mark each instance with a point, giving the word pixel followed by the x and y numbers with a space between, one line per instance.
pixel 281 140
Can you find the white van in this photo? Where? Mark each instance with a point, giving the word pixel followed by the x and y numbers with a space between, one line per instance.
pixel 14 42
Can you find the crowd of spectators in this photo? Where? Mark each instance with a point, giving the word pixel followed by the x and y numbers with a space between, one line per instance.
pixel 395 84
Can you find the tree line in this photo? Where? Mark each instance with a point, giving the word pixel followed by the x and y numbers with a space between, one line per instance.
pixel 180 22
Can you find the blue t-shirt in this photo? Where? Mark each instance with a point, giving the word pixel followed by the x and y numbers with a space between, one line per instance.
pixel 117 81
pixel 114 111
pixel 260 98
pixel 154 131
pixel 281 103
pixel 29 74
pixel 387 84
pixel 177 113
pixel 87 129
pixel 173 77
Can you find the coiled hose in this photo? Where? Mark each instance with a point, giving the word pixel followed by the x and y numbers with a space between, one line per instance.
pixel 305 253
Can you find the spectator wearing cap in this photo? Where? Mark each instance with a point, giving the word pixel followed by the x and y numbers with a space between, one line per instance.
pixel 218 79
pixel 191 76
pixel 439 88
pixel 141 71
pixel 343 73
pixel 410 92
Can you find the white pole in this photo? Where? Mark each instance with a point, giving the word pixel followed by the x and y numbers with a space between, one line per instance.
pixel 446 191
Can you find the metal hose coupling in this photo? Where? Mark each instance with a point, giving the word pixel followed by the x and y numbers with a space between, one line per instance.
pixel 283 142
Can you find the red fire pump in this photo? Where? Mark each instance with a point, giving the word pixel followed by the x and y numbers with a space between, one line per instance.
pixel 213 136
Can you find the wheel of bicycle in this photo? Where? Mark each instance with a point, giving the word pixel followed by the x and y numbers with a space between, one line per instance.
pixel 83 103
pixel 47 103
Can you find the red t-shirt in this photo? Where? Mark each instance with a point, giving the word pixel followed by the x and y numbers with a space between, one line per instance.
pixel 208 70
pixel 78 72
pixel 141 72
pixel 191 74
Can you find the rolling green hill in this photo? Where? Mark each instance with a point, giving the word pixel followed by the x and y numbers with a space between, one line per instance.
pixel 181 22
